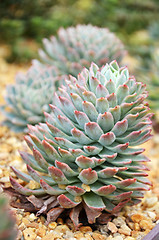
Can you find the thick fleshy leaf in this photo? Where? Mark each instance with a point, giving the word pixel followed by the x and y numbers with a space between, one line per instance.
pixel 81 118
pixel 105 121
pixel 110 86
pixel 80 136
pixel 122 92
pixel 21 175
pixel 51 190
pixel 75 191
pixel 93 130
pixel 107 139
pixel 89 96
pixel 63 142
pixel 25 191
pixel 85 162
pixel 107 172
pixel 50 151
pixel 68 172
pixel 40 160
pixel 116 113
pixel 29 159
pixel 88 176
pixel 101 91
pixel 120 128
pixel 68 107
pixel 57 175
pixel 102 105
pixel 104 190
pixel 90 110
pixel 68 201
pixel 112 99
pixel 93 201
pixel 93 150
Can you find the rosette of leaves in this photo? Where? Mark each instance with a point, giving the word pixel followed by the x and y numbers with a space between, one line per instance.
pixel 78 46
pixel 29 97
pixel 7 223
pixel 85 156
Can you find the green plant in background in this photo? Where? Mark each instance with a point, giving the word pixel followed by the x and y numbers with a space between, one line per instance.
pixel 38 19
pixel 154 31
pixel 7 223
pixel 140 45
pixel 152 81
pixel 22 51
pixel 78 46
pixel 84 156
pixel 29 97
pixel 11 30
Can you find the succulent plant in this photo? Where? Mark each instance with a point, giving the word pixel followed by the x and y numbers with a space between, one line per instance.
pixel 29 97
pixel 78 46
pixel 7 223
pixel 85 155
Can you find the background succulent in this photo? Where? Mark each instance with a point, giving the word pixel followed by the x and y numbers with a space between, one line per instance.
pixel 78 46
pixel 29 97
pixel 85 156
pixel 7 223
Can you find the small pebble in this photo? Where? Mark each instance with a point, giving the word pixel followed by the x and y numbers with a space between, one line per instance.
pixel 111 226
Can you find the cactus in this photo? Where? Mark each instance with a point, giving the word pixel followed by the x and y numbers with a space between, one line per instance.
pixel 7 228
pixel 78 46
pixel 84 155
pixel 29 97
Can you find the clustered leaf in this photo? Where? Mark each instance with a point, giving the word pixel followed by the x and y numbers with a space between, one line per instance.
pixel 78 46
pixel 29 97
pixel 85 155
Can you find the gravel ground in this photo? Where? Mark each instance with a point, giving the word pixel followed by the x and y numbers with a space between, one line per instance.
pixel 130 224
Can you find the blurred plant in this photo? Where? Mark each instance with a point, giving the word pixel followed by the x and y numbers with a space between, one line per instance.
pixel 7 223
pixel 78 46
pixel 11 30
pixel 140 45
pixel 125 16
pixel 154 30
pixel 152 81
pixel 22 51
pixel 29 97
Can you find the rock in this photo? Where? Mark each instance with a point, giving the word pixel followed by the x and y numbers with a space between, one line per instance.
pixel 97 236
pixel 150 202
pixel 41 231
pixel 52 236
pixel 85 229
pixel 52 225
pixel 29 234
pixel 111 226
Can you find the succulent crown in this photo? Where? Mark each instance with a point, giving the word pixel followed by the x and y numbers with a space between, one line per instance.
pixel 78 46
pixel 85 151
